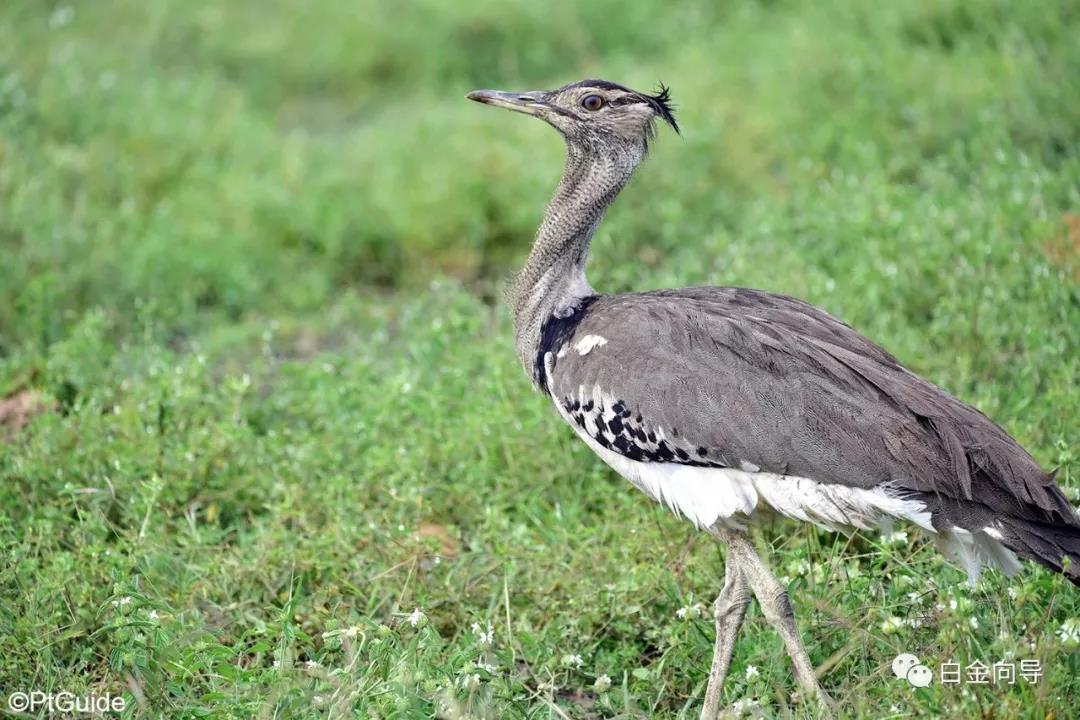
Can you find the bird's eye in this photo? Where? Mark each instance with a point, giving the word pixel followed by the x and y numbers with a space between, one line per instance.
pixel 592 102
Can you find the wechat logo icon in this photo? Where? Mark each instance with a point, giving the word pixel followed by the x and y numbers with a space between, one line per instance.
pixel 907 667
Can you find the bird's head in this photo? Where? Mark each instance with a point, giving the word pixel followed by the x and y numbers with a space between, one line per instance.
pixel 591 113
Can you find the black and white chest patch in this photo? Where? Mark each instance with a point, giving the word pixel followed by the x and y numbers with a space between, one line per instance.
pixel 616 426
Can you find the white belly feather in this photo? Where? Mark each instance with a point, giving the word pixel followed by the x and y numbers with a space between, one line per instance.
pixel 707 496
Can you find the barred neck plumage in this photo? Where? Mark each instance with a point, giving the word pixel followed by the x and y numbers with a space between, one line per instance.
pixel 552 282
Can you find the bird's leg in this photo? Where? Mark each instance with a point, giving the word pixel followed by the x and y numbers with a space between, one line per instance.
pixel 728 611
pixel 777 609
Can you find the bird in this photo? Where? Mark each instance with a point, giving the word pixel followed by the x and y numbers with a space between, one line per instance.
pixel 729 404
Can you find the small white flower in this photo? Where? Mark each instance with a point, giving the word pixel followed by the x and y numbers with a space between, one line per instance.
pixel 953 604
pixel 311 664
pixel 123 602
pixel 471 681
pixel 277 663
pixel 574 660
pixel 899 537
pixel 351 631
pixel 973 622
pixel 1012 593
pixel 752 672
pixel 745 706
pixel 483 637
pixel 1069 633
pixel 891 624
pixel 486 667
pixel 416 617
pixel 602 684
pixel 690 611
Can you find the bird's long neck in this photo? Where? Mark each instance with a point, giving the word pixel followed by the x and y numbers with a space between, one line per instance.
pixel 552 282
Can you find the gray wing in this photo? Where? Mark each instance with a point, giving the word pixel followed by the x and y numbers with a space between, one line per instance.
pixel 740 378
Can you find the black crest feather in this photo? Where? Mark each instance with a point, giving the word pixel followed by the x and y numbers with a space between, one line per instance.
pixel 661 103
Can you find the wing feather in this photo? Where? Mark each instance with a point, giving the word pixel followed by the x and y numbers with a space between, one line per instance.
pixel 725 376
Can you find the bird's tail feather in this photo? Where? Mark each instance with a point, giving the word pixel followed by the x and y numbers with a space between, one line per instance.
pixel 1056 546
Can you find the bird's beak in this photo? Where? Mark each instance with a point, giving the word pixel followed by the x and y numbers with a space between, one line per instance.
pixel 530 103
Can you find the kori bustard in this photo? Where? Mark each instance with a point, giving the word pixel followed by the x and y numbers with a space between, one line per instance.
pixel 722 403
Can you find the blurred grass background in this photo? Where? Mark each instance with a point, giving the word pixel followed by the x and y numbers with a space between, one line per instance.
pixel 249 253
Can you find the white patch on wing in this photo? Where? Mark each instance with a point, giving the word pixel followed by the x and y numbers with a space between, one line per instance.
pixel 585 345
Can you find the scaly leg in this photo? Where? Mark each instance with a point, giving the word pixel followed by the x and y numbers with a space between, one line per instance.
pixel 776 606
pixel 728 611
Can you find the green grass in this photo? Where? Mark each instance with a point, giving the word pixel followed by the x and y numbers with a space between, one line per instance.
pixel 248 252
